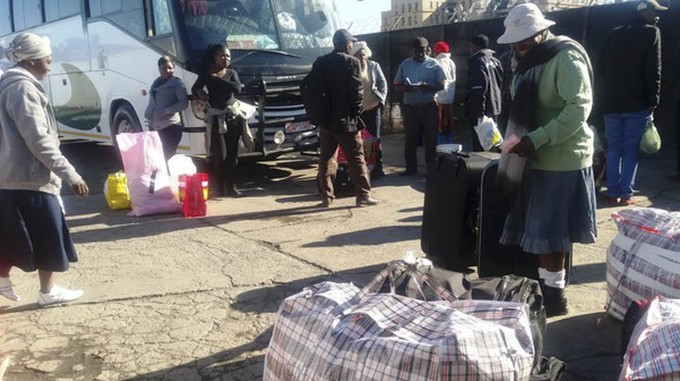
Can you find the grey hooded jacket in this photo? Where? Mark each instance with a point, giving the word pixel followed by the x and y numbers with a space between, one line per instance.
pixel 30 158
pixel 166 100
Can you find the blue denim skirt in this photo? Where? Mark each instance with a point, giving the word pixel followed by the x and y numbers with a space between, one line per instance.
pixel 554 209
pixel 33 232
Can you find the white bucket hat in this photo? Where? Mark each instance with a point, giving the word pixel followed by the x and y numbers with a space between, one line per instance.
pixel 523 21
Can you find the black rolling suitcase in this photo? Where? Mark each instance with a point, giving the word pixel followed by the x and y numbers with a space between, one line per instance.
pixel 494 259
pixel 449 230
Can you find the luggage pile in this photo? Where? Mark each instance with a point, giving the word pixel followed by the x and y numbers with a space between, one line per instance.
pixel 336 331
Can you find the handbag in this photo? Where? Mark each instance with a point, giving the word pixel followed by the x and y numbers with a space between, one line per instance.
pixel 336 331
pixel 651 140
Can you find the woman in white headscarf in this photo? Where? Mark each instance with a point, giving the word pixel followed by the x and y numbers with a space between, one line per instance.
pixel 375 93
pixel 33 230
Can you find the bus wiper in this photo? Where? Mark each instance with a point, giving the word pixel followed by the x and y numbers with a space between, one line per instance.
pixel 260 51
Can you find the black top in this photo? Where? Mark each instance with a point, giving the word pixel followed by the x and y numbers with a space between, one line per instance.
pixel 343 82
pixel 484 85
pixel 220 90
pixel 630 68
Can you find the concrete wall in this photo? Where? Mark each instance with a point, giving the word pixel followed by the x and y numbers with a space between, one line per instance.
pixel 587 25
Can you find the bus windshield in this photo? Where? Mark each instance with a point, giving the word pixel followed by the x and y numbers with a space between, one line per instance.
pixel 296 26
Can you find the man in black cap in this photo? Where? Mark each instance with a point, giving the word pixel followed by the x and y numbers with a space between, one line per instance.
pixel 340 73
pixel 630 74
pixel 485 77
pixel 419 77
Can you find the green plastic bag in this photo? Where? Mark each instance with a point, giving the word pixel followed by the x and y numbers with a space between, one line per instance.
pixel 651 140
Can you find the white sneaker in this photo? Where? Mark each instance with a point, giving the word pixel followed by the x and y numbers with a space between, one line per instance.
pixel 7 290
pixel 58 295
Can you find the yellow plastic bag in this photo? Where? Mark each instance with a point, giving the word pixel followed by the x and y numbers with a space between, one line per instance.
pixel 116 191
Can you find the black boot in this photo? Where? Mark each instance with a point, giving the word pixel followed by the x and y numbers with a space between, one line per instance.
pixel 554 301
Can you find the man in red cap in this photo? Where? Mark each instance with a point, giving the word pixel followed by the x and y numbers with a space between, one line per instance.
pixel 445 97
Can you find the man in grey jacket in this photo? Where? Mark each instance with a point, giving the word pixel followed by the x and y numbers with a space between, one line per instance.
pixel 33 230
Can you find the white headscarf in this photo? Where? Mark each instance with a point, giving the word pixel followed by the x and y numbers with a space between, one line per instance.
pixel 28 46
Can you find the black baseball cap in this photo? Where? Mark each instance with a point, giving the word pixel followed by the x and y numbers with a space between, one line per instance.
pixel 342 37
pixel 480 40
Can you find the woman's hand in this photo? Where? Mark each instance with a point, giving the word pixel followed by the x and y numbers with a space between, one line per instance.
pixel 80 189
pixel 202 95
pixel 524 148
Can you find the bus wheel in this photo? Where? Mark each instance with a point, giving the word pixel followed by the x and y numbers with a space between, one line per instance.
pixel 125 120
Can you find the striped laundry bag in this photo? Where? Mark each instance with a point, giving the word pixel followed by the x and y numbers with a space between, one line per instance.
pixel 336 331
pixel 654 349
pixel 643 260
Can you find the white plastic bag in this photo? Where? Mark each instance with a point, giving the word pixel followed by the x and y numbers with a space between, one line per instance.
pixel 488 133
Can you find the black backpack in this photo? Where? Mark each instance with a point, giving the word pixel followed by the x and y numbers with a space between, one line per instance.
pixel 316 99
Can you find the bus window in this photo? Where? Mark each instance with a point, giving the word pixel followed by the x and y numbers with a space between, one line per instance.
pixel 57 9
pixel 6 21
pixel 129 15
pixel 27 14
pixel 161 17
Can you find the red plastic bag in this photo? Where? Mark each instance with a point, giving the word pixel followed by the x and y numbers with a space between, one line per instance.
pixel 194 200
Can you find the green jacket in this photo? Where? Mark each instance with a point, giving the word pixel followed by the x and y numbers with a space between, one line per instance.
pixel 563 140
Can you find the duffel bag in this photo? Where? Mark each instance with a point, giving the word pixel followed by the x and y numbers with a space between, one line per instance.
pixel 336 331
pixel 654 349
pixel 643 260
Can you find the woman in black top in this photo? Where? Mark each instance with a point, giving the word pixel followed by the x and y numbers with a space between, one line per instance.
pixel 223 129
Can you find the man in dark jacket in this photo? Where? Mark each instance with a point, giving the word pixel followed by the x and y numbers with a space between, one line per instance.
pixel 630 71
pixel 484 85
pixel 342 76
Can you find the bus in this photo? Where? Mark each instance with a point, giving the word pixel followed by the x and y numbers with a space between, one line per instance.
pixel 105 55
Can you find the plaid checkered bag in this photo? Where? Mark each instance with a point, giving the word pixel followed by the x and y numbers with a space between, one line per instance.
pixel 336 331
pixel 643 260
pixel 654 349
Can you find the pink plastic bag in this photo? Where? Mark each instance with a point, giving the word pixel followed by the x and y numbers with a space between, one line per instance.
pixel 146 170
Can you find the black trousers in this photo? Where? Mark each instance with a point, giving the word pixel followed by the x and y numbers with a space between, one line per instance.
pixel 420 122
pixel 224 169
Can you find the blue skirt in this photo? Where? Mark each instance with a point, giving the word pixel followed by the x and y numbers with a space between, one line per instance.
pixel 33 232
pixel 553 210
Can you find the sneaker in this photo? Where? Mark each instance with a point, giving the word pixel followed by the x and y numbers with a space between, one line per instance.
pixel 366 201
pixel 58 295
pixel 7 290
pixel 554 301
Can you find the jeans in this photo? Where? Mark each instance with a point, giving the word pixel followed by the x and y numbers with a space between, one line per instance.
pixel 623 132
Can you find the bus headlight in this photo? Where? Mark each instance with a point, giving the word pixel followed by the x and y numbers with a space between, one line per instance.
pixel 279 137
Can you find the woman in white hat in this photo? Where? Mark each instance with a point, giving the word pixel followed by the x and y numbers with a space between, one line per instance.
pixel 33 230
pixel 546 178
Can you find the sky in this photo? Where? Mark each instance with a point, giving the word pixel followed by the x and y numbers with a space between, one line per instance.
pixel 361 16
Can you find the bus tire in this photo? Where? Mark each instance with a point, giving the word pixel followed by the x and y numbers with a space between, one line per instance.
pixel 125 120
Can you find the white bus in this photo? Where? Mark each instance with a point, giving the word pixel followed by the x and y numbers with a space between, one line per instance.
pixel 106 51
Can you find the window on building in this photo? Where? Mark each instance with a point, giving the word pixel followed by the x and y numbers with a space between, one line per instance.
pixel 57 9
pixel 409 7
pixel 415 5
pixel 402 8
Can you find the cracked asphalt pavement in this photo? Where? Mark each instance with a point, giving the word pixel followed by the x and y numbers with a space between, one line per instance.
pixel 170 298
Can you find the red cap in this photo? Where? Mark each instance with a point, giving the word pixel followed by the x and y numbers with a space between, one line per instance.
pixel 441 47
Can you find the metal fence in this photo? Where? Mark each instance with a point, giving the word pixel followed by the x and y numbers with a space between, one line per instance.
pixel 589 25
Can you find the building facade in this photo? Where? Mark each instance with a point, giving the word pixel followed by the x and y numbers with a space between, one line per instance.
pixel 405 14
